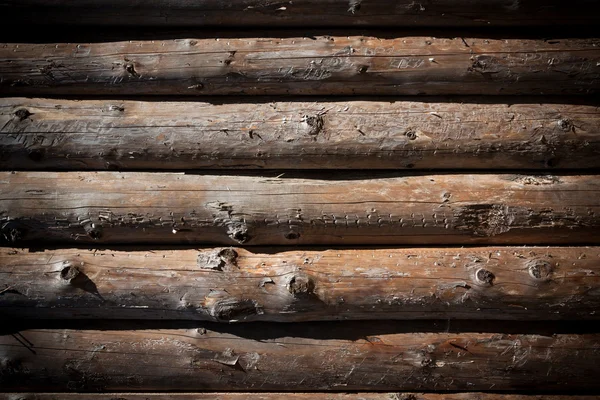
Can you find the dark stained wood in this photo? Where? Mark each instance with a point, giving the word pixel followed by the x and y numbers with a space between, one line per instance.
pixel 303 13
pixel 385 209
pixel 233 284
pixel 423 133
pixel 295 357
pixel 327 65
pixel 292 396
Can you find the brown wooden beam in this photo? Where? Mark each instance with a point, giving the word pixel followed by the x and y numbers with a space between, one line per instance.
pixel 233 284
pixel 290 357
pixel 327 65
pixel 303 13
pixel 352 209
pixel 293 396
pixel 424 133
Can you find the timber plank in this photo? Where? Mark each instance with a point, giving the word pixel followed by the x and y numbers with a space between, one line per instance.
pixel 423 133
pixel 234 284
pixel 384 209
pixel 295 357
pixel 302 13
pixel 326 65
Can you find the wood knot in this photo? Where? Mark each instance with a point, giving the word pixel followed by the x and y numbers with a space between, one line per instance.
pixel 233 309
pixel 363 69
pixel 217 260
pixel 565 124
pixel 22 114
pixel 301 285
pixel 315 124
pixel 540 270
pixel 93 231
pixel 484 277
pixel 69 272
pixel 238 233
pixel 130 68
pixel 411 134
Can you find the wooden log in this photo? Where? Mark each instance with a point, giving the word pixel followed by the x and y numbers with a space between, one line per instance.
pixel 293 396
pixel 341 65
pixel 104 134
pixel 522 283
pixel 383 209
pixel 295 357
pixel 303 13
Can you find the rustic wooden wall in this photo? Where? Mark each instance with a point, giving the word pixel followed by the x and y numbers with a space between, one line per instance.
pixel 406 214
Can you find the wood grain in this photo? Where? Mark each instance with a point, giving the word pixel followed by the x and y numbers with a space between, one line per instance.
pixel 302 13
pixel 118 208
pixel 341 65
pixel 282 357
pixel 423 133
pixel 233 284
pixel 293 396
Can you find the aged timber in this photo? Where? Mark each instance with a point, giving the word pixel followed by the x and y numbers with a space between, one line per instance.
pixel 291 396
pixel 233 284
pixel 423 133
pixel 117 208
pixel 295 357
pixel 341 65
pixel 303 13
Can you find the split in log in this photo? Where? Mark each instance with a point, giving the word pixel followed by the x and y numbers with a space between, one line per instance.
pixel 341 65
pixel 232 284
pixel 154 208
pixel 106 134
pixel 303 13
pixel 296 357
pixel 291 396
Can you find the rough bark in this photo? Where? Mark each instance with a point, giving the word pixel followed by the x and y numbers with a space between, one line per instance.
pixel 326 65
pixel 119 134
pixel 303 13
pixel 293 396
pixel 118 208
pixel 233 284
pixel 295 357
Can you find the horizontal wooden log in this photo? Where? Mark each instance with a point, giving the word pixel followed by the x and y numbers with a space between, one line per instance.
pixel 302 13
pixel 107 134
pixel 341 65
pixel 528 283
pixel 293 396
pixel 383 209
pixel 295 358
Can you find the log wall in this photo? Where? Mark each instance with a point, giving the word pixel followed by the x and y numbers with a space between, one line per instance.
pixel 407 214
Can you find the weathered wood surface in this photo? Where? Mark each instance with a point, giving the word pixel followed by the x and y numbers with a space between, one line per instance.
pixel 295 357
pixel 327 65
pixel 118 134
pixel 384 209
pixel 233 284
pixel 303 13
pixel 293 396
